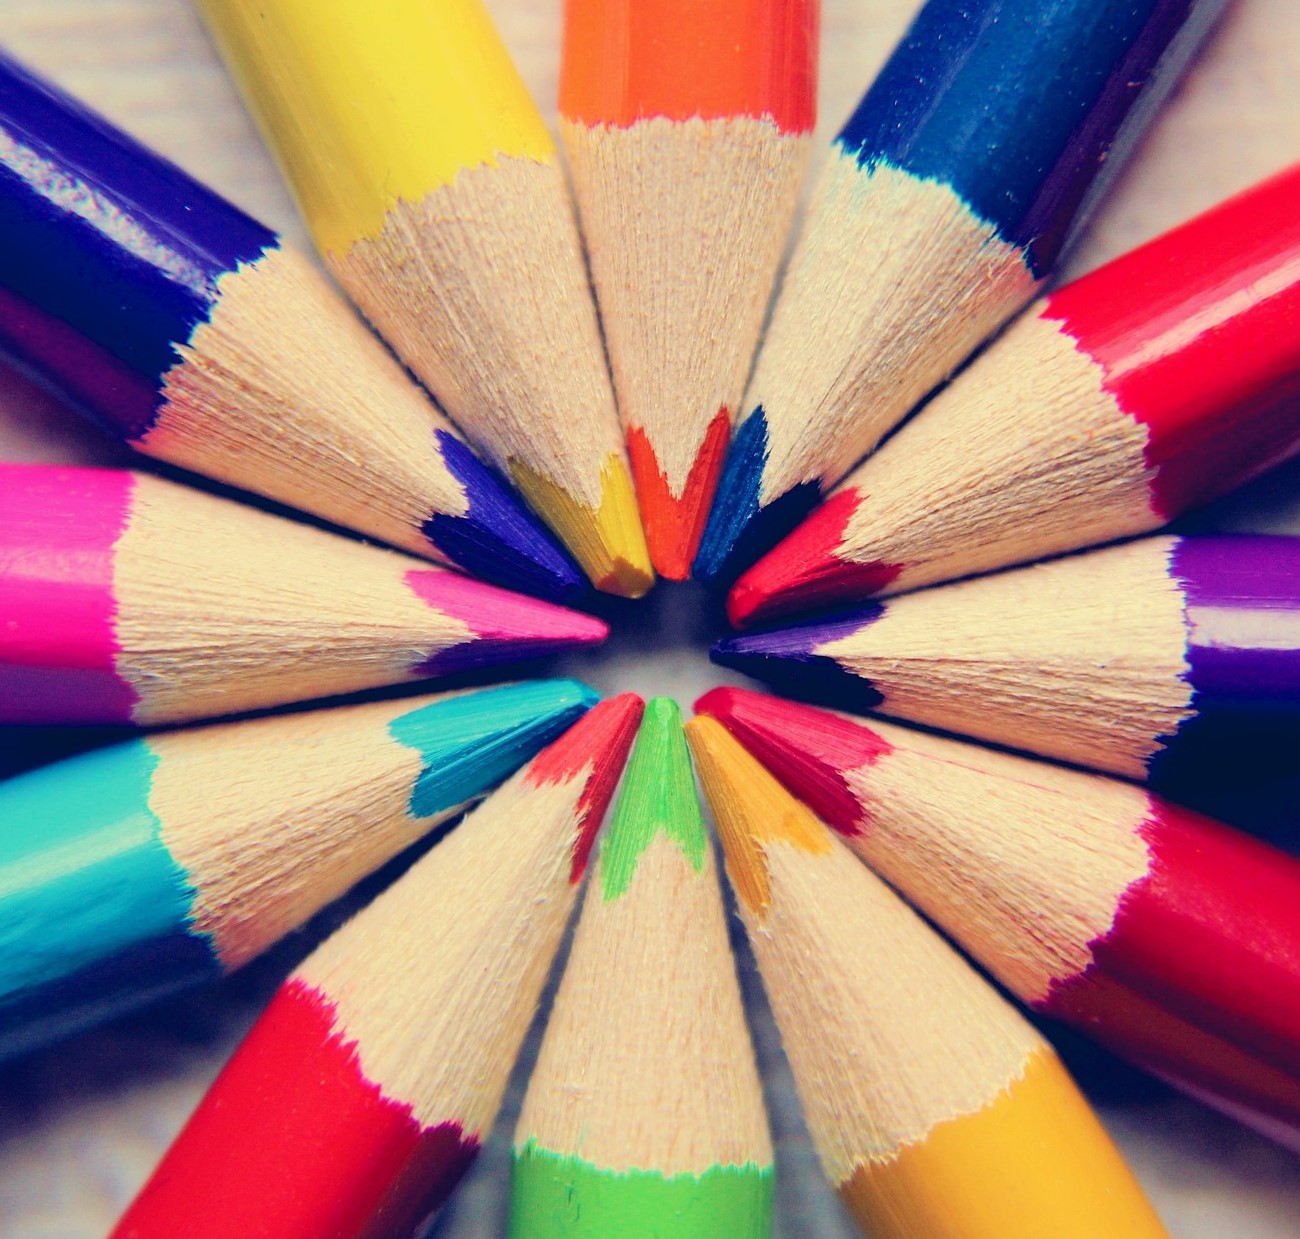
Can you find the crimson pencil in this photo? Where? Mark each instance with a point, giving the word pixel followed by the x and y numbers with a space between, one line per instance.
pixel 1163 934
pixel 1158 382
pixel 367 1086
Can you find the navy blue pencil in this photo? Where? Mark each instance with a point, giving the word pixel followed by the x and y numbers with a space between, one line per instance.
pixel 190 332
pixel 948 195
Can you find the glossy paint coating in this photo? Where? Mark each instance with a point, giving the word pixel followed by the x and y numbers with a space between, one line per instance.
pixel 94 911
pixel 112 255
pixel 1211 933
pixel 1198 333
pixel 366 105
pixel 344 1160
pixel 1242 615
pixel 498 538
pixel 950 104
pixel 58 644
pixel 625 60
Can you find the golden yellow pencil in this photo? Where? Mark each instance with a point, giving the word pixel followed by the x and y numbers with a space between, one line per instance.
pixel 435 196
pixel 937 1110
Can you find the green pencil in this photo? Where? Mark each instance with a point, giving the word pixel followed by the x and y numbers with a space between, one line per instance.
pixel 644 1116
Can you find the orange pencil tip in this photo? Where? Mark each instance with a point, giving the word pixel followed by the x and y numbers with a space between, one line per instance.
pixel 674 525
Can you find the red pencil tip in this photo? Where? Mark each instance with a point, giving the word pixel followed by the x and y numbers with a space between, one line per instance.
pixel 674 526
pixel 808 749
pixel 597 743
pixel 807 571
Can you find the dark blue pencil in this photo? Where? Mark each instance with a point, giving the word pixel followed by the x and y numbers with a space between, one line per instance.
pixel 187 330
pixel 948 195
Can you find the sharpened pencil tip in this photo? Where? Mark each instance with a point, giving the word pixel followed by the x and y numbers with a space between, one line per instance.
pixel 674 523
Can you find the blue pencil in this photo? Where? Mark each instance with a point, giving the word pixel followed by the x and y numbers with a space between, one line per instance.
pixel 135 870
pixel 977 153
pixel 187 330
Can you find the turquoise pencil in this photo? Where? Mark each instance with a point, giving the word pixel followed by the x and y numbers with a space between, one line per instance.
pixel 135 870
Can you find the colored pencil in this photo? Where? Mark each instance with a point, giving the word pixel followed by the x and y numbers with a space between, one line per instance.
pixel 134 870
pixel 1158 382
pixel 687 129
pixel 935 1108
pixel 644 1116
pixel 976 155
pixel 1168 937
pixel 1138 659
pixel 435 196
pixel 128 599
pixel 190 332
pixel 364 1091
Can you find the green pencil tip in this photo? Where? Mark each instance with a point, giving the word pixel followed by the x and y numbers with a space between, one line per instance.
pixel 657 797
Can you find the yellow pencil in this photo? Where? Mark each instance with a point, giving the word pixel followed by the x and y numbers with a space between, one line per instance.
pixel 435 196
pixel 937 1111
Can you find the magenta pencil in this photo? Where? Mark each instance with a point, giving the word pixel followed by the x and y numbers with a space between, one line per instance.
pixel 129 599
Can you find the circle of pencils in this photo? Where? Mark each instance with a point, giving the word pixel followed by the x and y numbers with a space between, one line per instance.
pixel 630 393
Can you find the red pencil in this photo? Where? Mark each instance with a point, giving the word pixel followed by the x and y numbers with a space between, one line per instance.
pixel 1165 935
pixel 1160 381
pixel 364 1091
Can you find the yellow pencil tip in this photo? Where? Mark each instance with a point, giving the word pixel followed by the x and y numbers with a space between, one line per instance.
pixel 608 543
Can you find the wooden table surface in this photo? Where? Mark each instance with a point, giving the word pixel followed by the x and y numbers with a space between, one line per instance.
pixel 81 1124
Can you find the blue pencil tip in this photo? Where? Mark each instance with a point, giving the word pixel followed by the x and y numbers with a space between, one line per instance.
pixel 739 530
pixel 499 539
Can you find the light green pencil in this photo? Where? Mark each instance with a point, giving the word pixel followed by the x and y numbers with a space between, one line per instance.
pixel 644 1116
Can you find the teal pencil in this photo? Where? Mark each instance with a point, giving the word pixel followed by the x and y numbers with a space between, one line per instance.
pixel 138 869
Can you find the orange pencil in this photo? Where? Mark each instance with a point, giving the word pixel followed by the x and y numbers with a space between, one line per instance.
pixel 687 129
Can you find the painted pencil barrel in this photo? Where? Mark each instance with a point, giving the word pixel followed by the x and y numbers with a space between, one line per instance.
pixel 189 332
pixel 938 215
pixel 687 131
pixel 1147 660
pixel 1165 935
pixel 935 1108
pixel 438 203
pixel 368 1085
pixel 134 870
pixel 644 1114
pixel 128 599
pixel 1172 375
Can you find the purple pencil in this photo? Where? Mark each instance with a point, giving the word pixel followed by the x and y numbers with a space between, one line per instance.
pixel 1141 659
